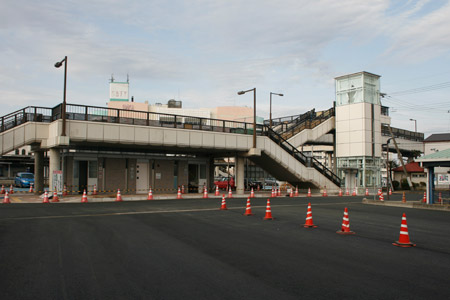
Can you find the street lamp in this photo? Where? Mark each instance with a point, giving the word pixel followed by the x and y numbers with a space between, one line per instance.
pixel 63 108
pixel 270 117
pixel 415 124
pixel 254 112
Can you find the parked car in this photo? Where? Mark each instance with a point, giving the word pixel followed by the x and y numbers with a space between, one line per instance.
pixel 24 179
pixel 224 183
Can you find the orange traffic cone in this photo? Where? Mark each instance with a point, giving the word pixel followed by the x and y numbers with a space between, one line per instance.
pixel 340 192
pixel 404 198
pixel 64 191
pixel 31 188
pixel 45 197
pixel 150 194
pixel 324 192
pixel 309 192
pixel 119 196
pixel 347 193
pixel 3 189
pixel 278 192
pixel 381 197
pixel 354 192
pixel 268 211
pixel 217 191
pixel 230 193
pixel 291 194
pixel 380 192
pixel 248 209
pixel 403 240
pixel 273 193
pixel 94 192
pixel 55 197
pixel 345 228
pixel 205 193
pixel 224 203
pixel 6 198
pixel 11 190
pixel 367 192
pixel 84 199
pixel 390 192
pixel 296 192
pixel 440 198
pixel 182 188
pixel 252 193
pixel 309 220
pixel 179 194
pixel 424 197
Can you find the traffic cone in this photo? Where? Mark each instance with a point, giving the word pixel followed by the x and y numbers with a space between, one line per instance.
pixel 367 192
pixel 205 193
pixel 217 191
pixel 324 192
pixel 268 211
pixel 182 188
pixel 64 191
pixel 230 193
pixel 354 192
pixel 179 195
pixel 273 193
pixel 309 192
pixel 424 197
pixel 381 197
pixel 150 194
pixel 291 194
pixel 45 197
pixel 390 192
pixel 345 228
pixel 309 220
pixel 3 189
pixel 119 196
pixel 404 198
pixel 440 198
pixel 403 240
pixel 248 209
pixel 347 193
pixel 380 192
pixel 279 192
pixel 252 194
pixel 224 203
pixel 31 188
pixel 296 191
pixel 6 198
pixel 340 192
pixel 84 199
pixel 55 196
pixel 94 192
pixel 11 190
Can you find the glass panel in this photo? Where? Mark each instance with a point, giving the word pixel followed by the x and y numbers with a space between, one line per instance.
pixel 93 169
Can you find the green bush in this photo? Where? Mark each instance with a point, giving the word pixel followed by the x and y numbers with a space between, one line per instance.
pixel 395 184
pixel 404 184
pixel 422 183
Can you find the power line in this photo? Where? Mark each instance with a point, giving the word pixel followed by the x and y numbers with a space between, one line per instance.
pixel 422 89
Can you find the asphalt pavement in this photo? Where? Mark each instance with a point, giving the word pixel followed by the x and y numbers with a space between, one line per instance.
pixel 189 249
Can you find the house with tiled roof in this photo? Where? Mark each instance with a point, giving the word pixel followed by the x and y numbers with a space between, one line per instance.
pixel 415 173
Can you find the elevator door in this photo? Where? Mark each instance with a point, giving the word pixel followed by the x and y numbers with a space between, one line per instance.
pixel 142 177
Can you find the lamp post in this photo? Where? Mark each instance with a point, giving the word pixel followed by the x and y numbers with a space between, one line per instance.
pixel 415 124
pixel 270 117
pixel 254 112
pixel 63 108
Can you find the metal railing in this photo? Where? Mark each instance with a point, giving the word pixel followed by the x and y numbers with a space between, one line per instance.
pixel 402 133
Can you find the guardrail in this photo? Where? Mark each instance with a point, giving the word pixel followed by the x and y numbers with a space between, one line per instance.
pixel 402 133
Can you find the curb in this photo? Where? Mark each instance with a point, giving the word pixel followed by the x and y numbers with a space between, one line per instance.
pixel 412 204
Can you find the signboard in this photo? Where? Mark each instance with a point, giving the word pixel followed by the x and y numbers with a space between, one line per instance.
pixel 118 91
pixel 57 181
pixel 442 179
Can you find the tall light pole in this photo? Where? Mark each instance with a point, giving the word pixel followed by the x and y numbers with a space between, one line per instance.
pixel 63 108
pixel 415 124
pixel 270 117
pixel 254 112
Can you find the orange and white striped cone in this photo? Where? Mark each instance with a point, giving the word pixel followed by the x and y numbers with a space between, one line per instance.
pixel 390 192
pixel 404 198
pixel 296 192
pixel 205 193
pixel 278 192
pixel 354 192
pixel 179 195
pixel 440 198
pixel 55 197
pixel 345 228
pixel 230 193
pixel 217 191
pixel 380 192
pixel 94 192
pixel 268 211
pixel 64 191
pixel 325 192
pixel 347 193
pixel 182 188
pixel 309 192
pixel 119 196
pixel 403 240
pixel 424 197
pixel 340 192
pixel 45 197
pixel 31 188
pixel 273 193
pixel 291 194
pixel 6 198
pixel 150 194
pixel 381 197
pixel 11 190
pixel 248 209
pixel 84 198
pixel 3 189
pixel 223 206
pixel 367 192
pixel 309 219
pixel 252 193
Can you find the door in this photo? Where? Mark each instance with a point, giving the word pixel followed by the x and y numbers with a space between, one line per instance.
pixel 83 175
pixel 142 177
pixel 193 178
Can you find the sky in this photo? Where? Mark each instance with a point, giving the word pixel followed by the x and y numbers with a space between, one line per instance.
pixel 203 52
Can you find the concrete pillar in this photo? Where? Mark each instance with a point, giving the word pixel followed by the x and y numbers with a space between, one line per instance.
pixel 54 165
pixel 430 186
pixel 38 172
pixel 239 175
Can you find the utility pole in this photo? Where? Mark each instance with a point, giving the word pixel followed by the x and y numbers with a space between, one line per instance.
pixel 401 158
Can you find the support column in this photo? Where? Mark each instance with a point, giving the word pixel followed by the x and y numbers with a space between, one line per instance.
pixel 38 172
pixel 430 186
pixel 54 165
pixel 210 183
pixel 240 165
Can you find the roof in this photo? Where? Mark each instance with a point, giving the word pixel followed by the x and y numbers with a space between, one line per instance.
pixel 358 73
pixel 412 167
pixel 438 137
pixel 443 155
